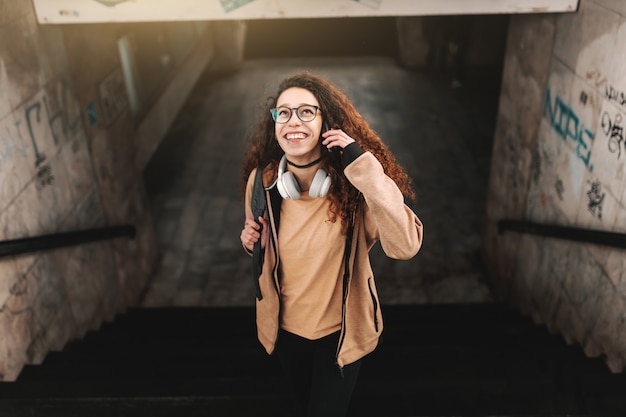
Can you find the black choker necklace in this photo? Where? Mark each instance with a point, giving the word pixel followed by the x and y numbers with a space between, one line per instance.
pixel 310 164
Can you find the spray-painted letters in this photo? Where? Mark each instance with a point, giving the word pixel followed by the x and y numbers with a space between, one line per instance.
pixel 53 114
pixel 612 94
pixel 614 130
pixel 567 124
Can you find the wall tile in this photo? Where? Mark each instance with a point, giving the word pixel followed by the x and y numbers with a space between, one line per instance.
pixel 615 78
pixel 13 10
pixel 597 208
pixel 610 321
pixel 86 294
pixel 615 267
pixel 77 163
pixel 15 327
pixel 54 324
pixel 18 43
pixel 8 283
pixel 567 320
pixel 5 87
pixel 617 6
pixel 16 161
pixel 599 27
pixel 583 38
pixel 608 157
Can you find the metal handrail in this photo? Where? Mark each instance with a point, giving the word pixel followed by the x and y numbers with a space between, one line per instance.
pixel 600 237
pixel 58 240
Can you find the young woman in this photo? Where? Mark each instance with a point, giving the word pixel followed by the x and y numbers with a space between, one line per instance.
pixel 333 189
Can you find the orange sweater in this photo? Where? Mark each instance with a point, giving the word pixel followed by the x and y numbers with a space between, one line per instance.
pixel 383 217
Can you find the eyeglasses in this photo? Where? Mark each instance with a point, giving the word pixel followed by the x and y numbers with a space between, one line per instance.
pixel 305 112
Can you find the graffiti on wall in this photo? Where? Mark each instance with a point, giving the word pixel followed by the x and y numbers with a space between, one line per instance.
pixel 111 3
pixel 613 129
pixel 559 188
pixel 230 5
pixel 33 118
pixel 616 96
pixel 374 4
pixel 611 93
pixel 567 124
pixel 54 113
pixel 596 199
pixel 584 97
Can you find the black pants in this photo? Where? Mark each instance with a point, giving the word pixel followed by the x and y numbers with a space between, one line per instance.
pixel 319 386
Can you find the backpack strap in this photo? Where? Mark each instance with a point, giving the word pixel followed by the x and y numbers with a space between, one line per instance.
pixel 259 206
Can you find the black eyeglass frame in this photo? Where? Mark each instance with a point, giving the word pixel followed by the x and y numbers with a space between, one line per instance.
pixel 274 112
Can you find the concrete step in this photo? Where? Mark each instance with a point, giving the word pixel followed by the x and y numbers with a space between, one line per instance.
pixel 435 360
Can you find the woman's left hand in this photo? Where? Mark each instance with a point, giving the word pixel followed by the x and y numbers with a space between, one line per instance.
pixel 334 138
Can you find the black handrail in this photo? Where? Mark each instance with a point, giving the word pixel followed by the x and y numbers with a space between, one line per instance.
pixel 600 237
pixel 58 240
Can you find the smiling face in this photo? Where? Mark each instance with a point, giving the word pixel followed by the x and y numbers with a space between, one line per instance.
pixel 299 140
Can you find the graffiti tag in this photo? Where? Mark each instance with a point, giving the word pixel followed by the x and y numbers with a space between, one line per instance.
pixel 611 93
pixel 596 199
pixel 566 123
pixel 230 5
pixel 560 188
pixel 613 129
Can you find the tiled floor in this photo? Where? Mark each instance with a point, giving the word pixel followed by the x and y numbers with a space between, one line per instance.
pixel 441 135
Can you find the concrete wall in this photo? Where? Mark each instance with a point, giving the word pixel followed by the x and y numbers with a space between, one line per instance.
pixel 558 158
pixel 71 158
pixel 444 42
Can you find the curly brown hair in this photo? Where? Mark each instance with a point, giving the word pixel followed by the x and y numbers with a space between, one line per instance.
pixel 338 111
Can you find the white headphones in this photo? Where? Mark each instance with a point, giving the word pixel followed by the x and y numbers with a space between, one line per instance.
pixel 289 188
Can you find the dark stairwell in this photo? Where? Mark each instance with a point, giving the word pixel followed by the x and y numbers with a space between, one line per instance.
pixel 438 360
pixel 448 349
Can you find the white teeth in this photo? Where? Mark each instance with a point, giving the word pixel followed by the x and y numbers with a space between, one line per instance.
pixel 295 136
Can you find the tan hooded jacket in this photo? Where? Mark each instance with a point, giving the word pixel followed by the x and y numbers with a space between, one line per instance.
pixel 384 217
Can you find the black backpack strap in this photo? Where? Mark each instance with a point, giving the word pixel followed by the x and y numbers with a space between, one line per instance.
pixel 259 206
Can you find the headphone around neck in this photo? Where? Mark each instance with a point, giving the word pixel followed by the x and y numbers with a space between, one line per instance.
pixel 289 188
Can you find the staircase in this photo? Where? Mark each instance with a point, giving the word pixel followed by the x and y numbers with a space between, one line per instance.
pixel 435 360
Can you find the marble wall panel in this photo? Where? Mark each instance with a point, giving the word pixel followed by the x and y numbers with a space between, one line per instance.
pixel 568 322
pixel 88 213
pixel 9 278
pixel 13 10
pixel 530 43
pixel 93 297
pixel 16 161
pixel 549 276
pixel 53 323
pixel 615 267
pixel 608 157
pixel 5 98
pixel 19 46
pixel 611 321
pixel 583 38
pixel 78 167
pixel 617 6
pixel 15 326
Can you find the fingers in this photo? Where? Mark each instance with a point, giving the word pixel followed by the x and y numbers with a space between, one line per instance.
pixel 336 138
pixel 251 232
pixel 262 221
